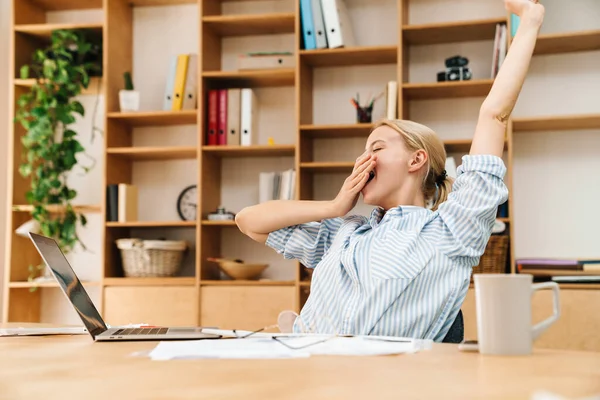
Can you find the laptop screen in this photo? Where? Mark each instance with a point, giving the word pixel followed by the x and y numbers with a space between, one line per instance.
pixel 69 283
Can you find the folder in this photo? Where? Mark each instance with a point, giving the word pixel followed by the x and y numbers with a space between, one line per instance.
pixel 308 33
pixel 248 117
pixel 191 84
pixel 319 25
pixel 211 123
pixel 233 116
pixel 337 23
pixel 170 86
pixel 222 117
pixel 182 66
pixel 127 202
pixel 391 100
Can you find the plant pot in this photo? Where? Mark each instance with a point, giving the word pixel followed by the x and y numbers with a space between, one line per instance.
pixel 129 100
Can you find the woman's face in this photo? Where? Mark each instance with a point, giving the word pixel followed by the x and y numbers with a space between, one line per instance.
pixel 391 168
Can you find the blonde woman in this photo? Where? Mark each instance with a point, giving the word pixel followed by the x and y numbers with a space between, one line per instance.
pixel 405 269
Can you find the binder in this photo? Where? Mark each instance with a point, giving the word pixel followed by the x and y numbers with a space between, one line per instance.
pixel 211 124
pixel 182 66
pixel 337 23
pixel 191 84
pixel 248 117
pixel 128 202
pixel 222 117
pixel 319 25
pixel 308 33
pixel 266 61
pixel 391 100
pixel 233 116
pixel 170 86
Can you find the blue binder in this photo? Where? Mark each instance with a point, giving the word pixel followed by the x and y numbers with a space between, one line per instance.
pixel 308 27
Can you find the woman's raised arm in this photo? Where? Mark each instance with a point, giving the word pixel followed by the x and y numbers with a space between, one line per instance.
pixel 498 105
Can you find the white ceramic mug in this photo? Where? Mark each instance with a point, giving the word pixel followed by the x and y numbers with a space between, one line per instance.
pixel 504 305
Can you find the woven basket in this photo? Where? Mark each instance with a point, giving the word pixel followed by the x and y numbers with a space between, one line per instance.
pixel 493 260
pixel 151 258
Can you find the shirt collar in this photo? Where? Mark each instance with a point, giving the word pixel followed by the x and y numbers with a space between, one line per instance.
pixel 379 213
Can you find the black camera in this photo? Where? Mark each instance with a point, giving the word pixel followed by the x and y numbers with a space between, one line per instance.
pixel 456 70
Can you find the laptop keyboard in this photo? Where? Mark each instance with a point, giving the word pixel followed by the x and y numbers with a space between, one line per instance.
pixel 142 331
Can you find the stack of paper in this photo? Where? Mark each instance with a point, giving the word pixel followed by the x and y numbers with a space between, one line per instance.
pixel 298 346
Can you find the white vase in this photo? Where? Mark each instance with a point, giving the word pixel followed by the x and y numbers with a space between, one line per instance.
pixel 129 100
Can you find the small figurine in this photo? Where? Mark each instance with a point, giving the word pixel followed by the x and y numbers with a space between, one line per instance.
pixel 221 215
pixel 456 70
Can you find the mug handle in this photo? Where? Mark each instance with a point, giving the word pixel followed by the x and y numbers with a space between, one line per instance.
pixel 539 328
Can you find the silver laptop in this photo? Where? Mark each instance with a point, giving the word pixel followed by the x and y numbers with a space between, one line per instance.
pixel 78 297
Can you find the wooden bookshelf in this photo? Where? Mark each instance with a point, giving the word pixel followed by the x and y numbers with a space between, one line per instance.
pixel 94 86
pixel 556 123
pixel 152 224
pixel 251 151
pixel 84 208
pixel 557 43
pixel 153 153
pixel 252 78
pixel 336 130
pixel 445 90
pixel 45 30
pixel 200 299
pixel 155 118
pixel 451 32
pixel 350 56
pixel 243 25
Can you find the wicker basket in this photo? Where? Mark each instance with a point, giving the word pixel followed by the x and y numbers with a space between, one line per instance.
pixel 151 258
pixel 493 260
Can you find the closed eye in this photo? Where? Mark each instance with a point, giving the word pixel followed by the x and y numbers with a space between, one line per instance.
pixel 377 149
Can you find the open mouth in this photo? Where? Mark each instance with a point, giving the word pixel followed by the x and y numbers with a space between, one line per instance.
pixel 371 176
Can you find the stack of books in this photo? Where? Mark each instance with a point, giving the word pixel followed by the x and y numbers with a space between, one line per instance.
pixel 561 270
pixel 277 185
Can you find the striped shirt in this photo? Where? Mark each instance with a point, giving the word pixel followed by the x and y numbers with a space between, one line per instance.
pixel 404 272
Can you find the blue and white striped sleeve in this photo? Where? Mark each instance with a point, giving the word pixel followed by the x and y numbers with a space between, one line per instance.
pixel 307 242
pixel 469 213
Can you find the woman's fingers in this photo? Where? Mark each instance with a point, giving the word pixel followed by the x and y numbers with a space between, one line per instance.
pixel 361 160
pixel 366 167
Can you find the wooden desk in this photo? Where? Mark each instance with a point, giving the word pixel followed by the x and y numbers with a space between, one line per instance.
pixel 61 367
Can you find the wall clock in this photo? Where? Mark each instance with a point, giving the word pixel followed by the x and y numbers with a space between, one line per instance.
pixel 187 203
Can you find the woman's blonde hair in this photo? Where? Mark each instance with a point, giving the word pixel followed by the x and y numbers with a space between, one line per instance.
pixel 436 184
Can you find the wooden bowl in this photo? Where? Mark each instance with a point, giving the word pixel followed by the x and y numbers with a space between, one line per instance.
pixel 240 270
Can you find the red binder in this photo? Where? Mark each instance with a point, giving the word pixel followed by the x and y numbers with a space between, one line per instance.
pixel 222 118
pixel 212 126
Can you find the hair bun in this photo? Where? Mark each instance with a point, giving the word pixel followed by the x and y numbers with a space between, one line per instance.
pixel 441 177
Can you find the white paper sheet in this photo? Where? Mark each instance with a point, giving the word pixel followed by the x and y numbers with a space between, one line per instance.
pixel 21 331
pixel 266 347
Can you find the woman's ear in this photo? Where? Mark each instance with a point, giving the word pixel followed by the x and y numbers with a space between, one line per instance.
pixel 417 160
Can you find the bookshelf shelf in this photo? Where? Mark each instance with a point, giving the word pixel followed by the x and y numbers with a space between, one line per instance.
pixel 45 30
pixel 346 56
pixel 153 153
pixel 251 151
pixel 245 283
pixel 443 90
pixel 254 24
pixel 149 3
pixel 568 42
pixel 151 224
pixel 92 89
pixel 555 123
pixel 25 284
pixel 58 209
pixel 210 222
pixel 461 145
pixel 337 166
pixel 155 118
pixel 557 272
pixel 166 281
pixel 253 78
pixel 451 32
pixel 336 130
pixel 64 5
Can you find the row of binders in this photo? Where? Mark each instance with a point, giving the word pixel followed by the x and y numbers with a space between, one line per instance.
pixel 500 45
pixel 277 185
pixel 325 24
pixel 121 202
pixel 232 117
pixel 181 86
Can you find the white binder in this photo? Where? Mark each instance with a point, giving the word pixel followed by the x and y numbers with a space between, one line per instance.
pixel 319 25
pixel 191 79
pixel 170 86
pixel 391 100
pixel 249 117
pixel 337 23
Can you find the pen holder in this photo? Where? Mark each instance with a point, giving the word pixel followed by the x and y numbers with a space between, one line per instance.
pixel 364 114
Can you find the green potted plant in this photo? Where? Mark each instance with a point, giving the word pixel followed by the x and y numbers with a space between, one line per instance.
pixel 129 99
pixel 50 146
